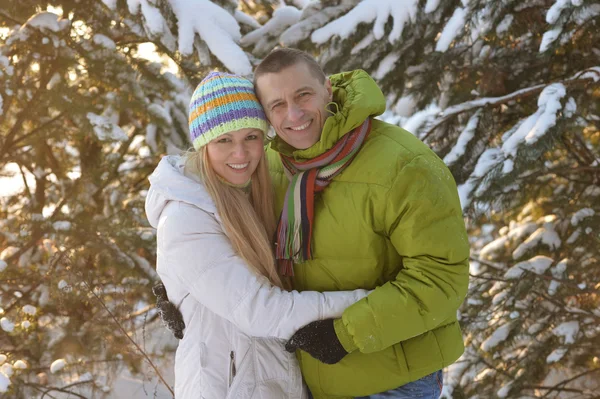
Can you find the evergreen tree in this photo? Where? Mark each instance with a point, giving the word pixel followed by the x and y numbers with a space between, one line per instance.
pixel 83 119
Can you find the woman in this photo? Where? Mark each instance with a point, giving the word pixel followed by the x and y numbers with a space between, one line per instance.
pixel 213 210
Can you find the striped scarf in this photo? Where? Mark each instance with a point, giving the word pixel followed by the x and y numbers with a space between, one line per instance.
pixel 294 232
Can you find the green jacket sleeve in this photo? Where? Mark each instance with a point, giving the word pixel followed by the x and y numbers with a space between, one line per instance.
pixel 424 222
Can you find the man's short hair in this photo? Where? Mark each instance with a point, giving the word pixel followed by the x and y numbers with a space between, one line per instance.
pixel 282 58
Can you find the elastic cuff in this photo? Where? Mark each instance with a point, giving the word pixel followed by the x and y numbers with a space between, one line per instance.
pixel 344 336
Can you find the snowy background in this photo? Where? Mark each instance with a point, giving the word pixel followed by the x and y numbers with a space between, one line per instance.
pixel 93 93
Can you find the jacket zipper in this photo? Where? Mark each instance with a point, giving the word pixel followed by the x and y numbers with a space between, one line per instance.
pixel 231 367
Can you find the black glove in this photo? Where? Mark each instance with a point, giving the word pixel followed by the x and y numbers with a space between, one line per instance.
pixel 170 315
pixel 319 340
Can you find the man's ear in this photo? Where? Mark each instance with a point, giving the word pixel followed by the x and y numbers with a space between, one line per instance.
pixel 329 89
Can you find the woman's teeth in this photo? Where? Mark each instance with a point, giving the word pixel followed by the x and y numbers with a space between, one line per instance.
pixel 238 165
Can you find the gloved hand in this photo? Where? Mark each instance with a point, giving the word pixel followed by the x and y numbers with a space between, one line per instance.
pixel 170 315
pixel 319 340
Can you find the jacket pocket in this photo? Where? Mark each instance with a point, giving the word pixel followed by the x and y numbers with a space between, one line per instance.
pixel 242 376
pixel 232 370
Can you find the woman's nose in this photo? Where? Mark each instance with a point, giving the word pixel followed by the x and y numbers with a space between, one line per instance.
pixel 240 150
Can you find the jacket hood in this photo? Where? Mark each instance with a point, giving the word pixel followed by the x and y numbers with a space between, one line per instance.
pixel 169 182
pixel 356 97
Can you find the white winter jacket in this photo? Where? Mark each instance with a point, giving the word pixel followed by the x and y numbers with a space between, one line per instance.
pixel 236 321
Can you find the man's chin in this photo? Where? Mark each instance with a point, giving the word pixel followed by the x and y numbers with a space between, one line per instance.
pixel 303 145
pixel 298 144
pixel 306 143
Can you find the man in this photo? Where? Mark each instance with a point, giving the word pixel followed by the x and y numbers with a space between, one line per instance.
pixel 365 205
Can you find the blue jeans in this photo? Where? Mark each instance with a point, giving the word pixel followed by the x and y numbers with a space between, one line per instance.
pixel 428 387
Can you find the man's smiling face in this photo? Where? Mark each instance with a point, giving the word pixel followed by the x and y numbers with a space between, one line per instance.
pixel 295 102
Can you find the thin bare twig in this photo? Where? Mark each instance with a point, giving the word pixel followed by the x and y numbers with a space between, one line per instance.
pixel 24 114
pixel 64 389
pixel 46 390
pixel 565 382
pixel 120 326
pixel 36 130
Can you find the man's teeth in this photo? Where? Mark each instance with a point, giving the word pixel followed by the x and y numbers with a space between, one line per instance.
pixel 301 127
pixel 238 165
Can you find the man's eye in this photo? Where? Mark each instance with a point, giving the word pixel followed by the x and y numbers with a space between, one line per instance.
pixel 304 94
pixel 276 106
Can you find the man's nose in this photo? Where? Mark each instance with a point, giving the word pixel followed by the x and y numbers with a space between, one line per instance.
pixel 294 113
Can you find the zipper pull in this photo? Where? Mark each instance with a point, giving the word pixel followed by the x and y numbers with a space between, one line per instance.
pixel 231 367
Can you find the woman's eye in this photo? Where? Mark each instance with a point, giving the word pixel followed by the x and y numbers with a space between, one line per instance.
pixel 222 141
pixel 252 137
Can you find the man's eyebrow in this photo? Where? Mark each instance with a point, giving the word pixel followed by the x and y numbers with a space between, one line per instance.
pixel 303 88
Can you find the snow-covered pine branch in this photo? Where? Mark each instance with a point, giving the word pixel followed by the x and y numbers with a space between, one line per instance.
pixel 217 28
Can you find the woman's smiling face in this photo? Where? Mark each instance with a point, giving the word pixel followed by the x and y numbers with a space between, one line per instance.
pixel 235 155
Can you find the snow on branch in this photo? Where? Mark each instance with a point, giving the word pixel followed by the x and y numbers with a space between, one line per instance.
pixel 106 128
pixel 498 336
pixel 421 118
pixel 463 140
pixel 454 110
pixel 218 28
pixel 568 330
pixel 579 13
pixel 282 19
pixel 312 18
pixel 366 12
pixel 590 73
pixel 549 38
pixel 538 265
pixel 246 19
pixel 528 131
pixel 453 27
pixel 47 21
pixel 537 124
pixel 546 235
pixel 431 6
pixel 486 162
pixel 557 8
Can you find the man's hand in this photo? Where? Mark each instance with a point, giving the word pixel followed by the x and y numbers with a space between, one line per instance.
pixel 170 315
pixel 319 340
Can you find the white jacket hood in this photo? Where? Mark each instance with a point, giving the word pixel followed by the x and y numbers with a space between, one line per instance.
pixel 169 182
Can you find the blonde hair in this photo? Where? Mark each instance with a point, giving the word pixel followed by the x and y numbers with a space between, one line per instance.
pixel 250 223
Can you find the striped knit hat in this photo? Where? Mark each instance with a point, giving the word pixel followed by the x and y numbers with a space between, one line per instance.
pixel 223 103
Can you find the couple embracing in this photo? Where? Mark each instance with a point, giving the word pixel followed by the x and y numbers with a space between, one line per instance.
pixel 330 266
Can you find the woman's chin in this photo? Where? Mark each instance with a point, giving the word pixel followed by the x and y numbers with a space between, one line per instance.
pixel 238 179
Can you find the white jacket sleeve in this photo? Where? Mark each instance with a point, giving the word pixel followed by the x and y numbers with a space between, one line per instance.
pixel 200 257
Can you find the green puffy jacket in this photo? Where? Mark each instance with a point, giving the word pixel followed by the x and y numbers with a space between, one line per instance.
pixel 391 221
